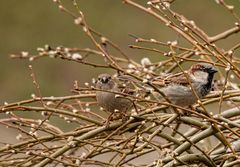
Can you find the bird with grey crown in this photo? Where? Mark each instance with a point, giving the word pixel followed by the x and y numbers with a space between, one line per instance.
pixel 109 100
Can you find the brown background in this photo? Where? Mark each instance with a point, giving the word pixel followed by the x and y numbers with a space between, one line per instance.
pixel 28 24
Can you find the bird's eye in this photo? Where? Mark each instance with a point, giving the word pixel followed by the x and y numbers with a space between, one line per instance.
pixel 202 68
pixel 107 79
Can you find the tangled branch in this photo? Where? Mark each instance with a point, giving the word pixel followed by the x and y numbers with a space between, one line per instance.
pixel 154 131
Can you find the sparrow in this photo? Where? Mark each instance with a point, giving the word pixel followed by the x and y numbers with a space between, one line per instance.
pixel 111 101
pixel 177 87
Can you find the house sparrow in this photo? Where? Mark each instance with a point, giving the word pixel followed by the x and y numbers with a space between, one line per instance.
pixel 112 101
pixel 177 89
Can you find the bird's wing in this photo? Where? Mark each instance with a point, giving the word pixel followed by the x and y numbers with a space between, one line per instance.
pixel 122 84
pixel 178 78
pixel 129 85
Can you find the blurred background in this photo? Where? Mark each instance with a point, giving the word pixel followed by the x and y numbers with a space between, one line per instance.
pixel 29 24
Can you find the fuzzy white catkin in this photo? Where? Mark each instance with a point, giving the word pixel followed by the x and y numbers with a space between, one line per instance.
pixel 145 61
pixel 76 56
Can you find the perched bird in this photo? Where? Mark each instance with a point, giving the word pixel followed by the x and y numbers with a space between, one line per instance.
pixel 177 88
pixel 111 101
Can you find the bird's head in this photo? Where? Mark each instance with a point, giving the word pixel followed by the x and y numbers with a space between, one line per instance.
pixel 105 82
pixel 104 78
pixel 203 72
pixel 204 67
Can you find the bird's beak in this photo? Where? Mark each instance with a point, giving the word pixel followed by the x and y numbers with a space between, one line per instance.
pixel 213 70
pixel 104 79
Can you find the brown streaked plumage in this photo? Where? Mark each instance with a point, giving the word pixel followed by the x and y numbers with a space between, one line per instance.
pixel 177 87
